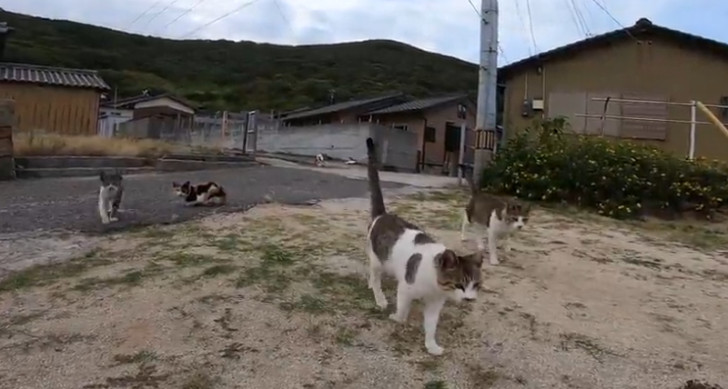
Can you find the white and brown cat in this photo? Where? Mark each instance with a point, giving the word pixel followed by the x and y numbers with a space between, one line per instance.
pixel 110 194
pixel 493 218
pixel 208 193
pixel 425 270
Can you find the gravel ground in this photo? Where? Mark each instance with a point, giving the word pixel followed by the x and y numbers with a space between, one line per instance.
pixel 70 203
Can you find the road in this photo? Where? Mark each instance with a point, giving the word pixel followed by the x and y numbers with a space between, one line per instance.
pixel 71 203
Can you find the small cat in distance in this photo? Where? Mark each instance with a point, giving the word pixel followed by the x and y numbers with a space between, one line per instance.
pixel 110 194
pixel 209 193
pixel 493 218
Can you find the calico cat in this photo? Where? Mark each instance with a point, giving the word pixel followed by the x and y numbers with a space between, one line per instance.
pixel 200 194
pixel 424 269
pixel 499 218
pixel 110 194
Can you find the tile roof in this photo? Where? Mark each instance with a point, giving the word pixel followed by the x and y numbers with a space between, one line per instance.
pixel 417 105
pixel 45 75
pixel 640 28
pixel 340 106
pixel 130 102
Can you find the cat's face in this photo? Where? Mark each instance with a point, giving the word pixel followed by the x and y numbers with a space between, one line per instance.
pixel 111 181
pixel 459 276
pixel 517 215
pixel 181 190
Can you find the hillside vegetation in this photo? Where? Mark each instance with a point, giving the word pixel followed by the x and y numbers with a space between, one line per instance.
pixel 237 75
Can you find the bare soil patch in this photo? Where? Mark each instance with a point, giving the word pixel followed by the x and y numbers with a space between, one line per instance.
pixel 278 297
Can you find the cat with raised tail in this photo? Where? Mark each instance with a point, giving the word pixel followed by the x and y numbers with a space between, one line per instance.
pixel 425 270
pixel 493 218
pixel 110 193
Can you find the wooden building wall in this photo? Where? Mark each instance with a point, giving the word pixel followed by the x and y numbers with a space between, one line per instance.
pixel 61 110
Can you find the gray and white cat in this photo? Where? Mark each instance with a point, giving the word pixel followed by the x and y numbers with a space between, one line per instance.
pixel 492 217
pixel 110 194
pixel 425 270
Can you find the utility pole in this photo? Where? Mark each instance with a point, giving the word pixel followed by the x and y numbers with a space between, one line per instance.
pixel 485 122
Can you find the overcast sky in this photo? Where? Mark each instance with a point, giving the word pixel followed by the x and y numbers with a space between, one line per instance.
pixel 445 26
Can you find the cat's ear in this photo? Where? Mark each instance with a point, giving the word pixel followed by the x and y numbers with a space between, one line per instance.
pixel 187 183
pixel 476 258
pixel 448 260
pixel 514 207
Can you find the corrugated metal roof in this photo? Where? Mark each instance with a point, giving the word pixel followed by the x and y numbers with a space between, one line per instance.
pixel 417 105
pixel 45 75
pixel 339 107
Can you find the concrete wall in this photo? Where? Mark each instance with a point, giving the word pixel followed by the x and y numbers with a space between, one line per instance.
pixel 343 141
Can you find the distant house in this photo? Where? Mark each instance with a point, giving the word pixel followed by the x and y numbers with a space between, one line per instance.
pixel 436 121
pixel 643 62
pixel 343 113
pixel 144 115
pixel 51 99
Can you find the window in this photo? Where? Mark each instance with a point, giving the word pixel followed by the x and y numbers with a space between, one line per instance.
pixel 723 110
pixel 430 134
pixel 402 127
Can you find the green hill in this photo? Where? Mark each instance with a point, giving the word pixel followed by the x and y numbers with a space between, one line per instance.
pixel 237 75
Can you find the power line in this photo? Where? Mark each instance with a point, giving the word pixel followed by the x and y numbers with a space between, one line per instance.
pixel 283 15
pixel 142 14
pixel 219 18
pixel 500 48
pixel 530 25
pixel 606 11
pixel 166 7
pixel 523 21
pixel 188 10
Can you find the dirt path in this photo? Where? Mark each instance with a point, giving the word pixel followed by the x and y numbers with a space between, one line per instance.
pixel 277 297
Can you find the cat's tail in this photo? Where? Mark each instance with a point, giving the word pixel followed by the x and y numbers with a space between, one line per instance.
pixel 469 177
pixel 375 189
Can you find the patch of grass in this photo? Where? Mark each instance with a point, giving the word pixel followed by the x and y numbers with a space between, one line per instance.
pixel 158 233
pixel 132 278
pixel 30 144
pixel 436 384
pixel 41 275
pixel 483 378
pixel 143 356
pixel 346 292
pixel 573 340
pixel 216 270
pixel 183 260
pixel 429 364
pixel 228 243
pixel 200 380
pixel 345 336
pixel 276 255
pixel 307 303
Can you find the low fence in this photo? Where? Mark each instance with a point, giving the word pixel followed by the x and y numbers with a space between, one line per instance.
pixel 342 141
pixel 691 123
pixel 227 131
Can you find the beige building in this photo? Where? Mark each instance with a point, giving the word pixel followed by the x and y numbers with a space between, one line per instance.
pixel 644 62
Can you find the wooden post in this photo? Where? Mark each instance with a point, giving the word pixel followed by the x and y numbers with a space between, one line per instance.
pixel 7 120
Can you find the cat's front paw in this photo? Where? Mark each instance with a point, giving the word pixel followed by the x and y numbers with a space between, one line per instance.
pixel 494 260
pixel 114 219
pixel 397 318
pixel 105 221
pixel 434 349
pixel 382 303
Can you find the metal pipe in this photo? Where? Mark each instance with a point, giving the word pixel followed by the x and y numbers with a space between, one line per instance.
pixel 712 118
pixel 693 119
pixel 638 119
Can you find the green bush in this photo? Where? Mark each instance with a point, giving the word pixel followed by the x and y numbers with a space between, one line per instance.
pixel 620 179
